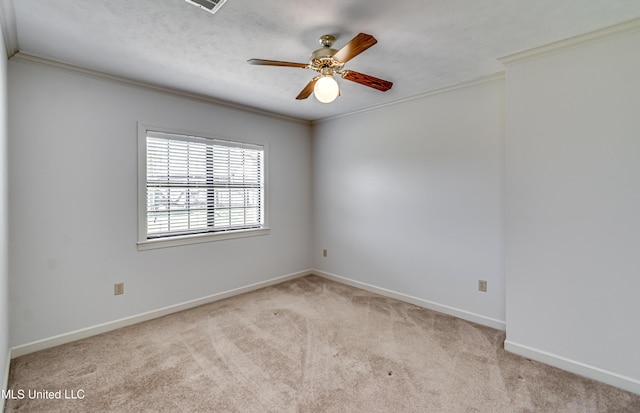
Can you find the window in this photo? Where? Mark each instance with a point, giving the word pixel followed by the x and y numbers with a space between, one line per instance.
pixel 196 188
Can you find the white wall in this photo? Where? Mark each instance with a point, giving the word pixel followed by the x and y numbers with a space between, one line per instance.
pixel 573 209
pixel 4 220
pixel 73 203
pixel 409 198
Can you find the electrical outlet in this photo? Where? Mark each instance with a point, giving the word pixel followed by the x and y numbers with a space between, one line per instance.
pixel 324 253
pixel 482 286
pixel 118 288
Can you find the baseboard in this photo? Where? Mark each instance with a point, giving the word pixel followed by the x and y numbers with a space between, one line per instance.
pixel 465 315
pixel 581 369
pixel 124 322
pixel 604 376
pixel 5 382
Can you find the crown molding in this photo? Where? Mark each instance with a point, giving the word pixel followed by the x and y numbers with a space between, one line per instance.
pixel 620 29
pixel 41 61
pixel 468 83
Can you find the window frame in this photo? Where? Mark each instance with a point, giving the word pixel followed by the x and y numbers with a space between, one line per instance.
pixel 145 243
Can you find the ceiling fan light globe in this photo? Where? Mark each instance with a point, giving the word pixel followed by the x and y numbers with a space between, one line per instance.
pixel 326 89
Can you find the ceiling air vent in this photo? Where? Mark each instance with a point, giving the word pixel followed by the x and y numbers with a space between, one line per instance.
pixel 211 6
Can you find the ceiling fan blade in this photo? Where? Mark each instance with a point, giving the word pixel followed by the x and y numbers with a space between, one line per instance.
pixel 308 90
pixel 374 82
pixel 262 62
pixel 357 45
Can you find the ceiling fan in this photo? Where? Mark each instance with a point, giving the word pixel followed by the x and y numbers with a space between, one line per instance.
pixel 329 62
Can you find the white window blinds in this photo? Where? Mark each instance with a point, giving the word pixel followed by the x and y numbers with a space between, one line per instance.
pixel 198 185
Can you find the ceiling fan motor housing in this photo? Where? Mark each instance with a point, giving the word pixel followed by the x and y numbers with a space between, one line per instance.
pixel 323 58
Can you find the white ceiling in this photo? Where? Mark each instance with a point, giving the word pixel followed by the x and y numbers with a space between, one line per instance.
pixel 422 45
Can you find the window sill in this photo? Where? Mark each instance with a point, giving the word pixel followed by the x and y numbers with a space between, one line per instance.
pixel 197 239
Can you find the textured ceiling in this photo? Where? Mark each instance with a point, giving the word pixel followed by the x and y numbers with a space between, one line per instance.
pixel 422 45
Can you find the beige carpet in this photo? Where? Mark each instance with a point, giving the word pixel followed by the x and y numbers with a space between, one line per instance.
pixel 307 345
